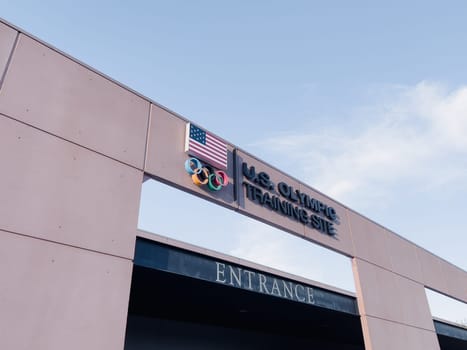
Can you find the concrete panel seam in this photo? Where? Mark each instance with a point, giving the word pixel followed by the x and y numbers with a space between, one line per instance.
pixel 69 141
pixel 351 232
pixel 360 298
pixel 151 101
pixel 399 323
pixel 10 57
pixel 148 131
pixel 64 244
pixel 391 271
pixel 358 288
pixel 103 75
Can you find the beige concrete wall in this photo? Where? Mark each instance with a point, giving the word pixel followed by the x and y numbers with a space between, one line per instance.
pixel 393 308
pixel 390 276
pixel 8 38
pixel 56 296
pixel 383 248
pixel 165 157
pixel 44 89
pixel 74 146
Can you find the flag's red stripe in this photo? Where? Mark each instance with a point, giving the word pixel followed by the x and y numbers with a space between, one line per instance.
pixel 216 141
pixel 209 157
pixel 209 143
pixel 211 161
pixel 221 154
pixel 203 148
pixel 207 153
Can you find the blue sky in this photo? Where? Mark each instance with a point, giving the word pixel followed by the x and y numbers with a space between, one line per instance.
pixel 370 97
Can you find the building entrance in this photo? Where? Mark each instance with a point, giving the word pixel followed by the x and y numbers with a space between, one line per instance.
pixel 170 310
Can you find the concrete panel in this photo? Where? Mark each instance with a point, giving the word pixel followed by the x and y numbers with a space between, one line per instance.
pixel 377 292
pixel 369 240
pixel 56 190
pixel 7 40
pixel 45 89
pixel 432 271
pixel 342 241
pixel 414 303
pixel 383 294
pixel 263 212
pixel 456 280
pixel 165 157
pixel 461 288
pixel 385 335
pixel 429 340
pixel 404 259
pixel 56 297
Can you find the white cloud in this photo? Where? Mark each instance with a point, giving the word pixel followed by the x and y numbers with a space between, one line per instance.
pixel 414 134
pixel 228 232
pixel 263 244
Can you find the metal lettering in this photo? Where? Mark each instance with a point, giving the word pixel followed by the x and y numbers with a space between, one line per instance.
pixel 237 278
pixel 219 272
pixel 249 173
pixel 275 288
pixel 246 279
pixel 262 284
pixel 249 274
pixel 302 299
pixel 310 295
pixel 287 289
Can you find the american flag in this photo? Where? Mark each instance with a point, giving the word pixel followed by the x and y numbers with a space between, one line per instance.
pixel 205 146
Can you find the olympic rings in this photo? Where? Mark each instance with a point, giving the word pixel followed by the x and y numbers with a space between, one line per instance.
pixel 191 165
pixel 204 174
pixel 201 176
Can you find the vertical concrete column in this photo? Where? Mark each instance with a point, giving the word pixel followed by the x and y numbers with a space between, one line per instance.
pixel 442 276
pixel 394 310
pixel 56 296
pixel 392 302
pixel 72 147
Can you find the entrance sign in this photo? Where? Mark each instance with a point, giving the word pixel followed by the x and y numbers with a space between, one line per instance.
pixel 262 283
pixel 288 201
pixel 161 257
